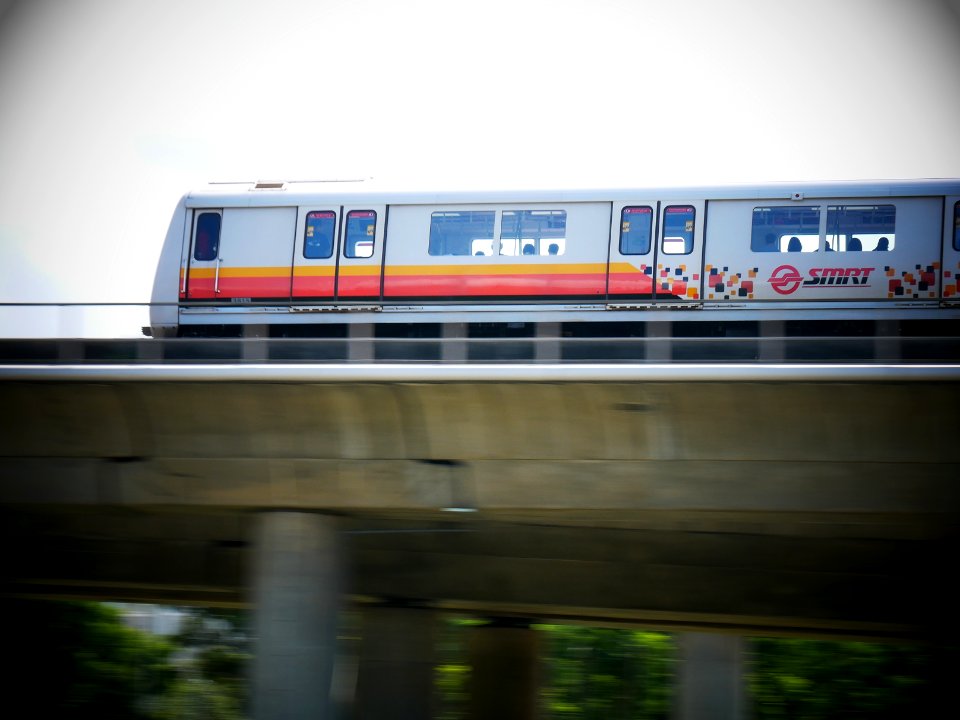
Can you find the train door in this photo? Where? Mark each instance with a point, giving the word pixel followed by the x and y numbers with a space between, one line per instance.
pixel 631 265
pixel 951 250
pixel 360 259
pixel 241 254
pixel 678 268
pixel 315 253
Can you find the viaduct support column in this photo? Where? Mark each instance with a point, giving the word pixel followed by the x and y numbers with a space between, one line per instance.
pixel 504 676
pixel 711 677
pixel 397 659
pixel 296 594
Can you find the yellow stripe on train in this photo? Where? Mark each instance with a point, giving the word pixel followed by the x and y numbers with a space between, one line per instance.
pixel 240 272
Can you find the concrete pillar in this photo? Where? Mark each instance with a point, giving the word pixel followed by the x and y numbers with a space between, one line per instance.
pixel 773 340
pixel 547 348
pixel 658 345
pixel 504 676
pixel 711 682
pixel 360 342
pixel 454 343
pixel 296 594
pixel 397 659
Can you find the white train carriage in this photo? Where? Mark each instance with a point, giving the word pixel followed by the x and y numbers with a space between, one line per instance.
pixel 309 254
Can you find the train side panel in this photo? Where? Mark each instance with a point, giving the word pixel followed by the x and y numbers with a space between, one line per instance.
pixel 656 251
pixel 678 273
pixel 315 253
pixel 241 253
pixel 633 241
pixel 823 249
pixel 539 251
pixel 360 265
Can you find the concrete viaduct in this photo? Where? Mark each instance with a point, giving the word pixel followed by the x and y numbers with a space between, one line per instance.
pixel 713 501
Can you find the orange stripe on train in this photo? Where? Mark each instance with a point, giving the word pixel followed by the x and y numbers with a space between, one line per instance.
pixel 239 272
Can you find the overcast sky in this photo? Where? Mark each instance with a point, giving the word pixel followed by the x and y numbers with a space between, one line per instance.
pixel 111 109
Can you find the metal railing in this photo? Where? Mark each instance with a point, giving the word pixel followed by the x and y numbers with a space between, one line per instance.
pixel 540 349
pixel 106 333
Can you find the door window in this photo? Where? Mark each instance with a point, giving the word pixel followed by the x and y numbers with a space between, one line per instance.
pixel 361 234
pixel 206 245
pixel 678 223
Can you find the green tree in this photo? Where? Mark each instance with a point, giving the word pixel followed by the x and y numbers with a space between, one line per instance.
pixel 213 664
pixel 601 674
pixel 810 679
pixel 77 660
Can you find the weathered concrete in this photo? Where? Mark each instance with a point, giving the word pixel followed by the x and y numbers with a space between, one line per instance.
pixel 664 422
pixel 772 505
pixel 711 678
pixel 296 599
pixel 808 508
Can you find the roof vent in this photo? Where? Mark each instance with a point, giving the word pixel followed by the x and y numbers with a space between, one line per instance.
pixel 269 185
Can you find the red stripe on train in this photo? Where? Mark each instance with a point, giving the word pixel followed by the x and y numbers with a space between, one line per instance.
pixel 630 284
pixel 491 285
pixel 313 286
pixel 358 286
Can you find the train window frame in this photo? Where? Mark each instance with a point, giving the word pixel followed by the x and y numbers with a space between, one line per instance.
pixel 866 241
pixel 956 225
pixel 438 246
pixel 808 241
pixel 624 227
pixel 306 233
pixel 348 246
pixel 688 248
pixel 534 243
pixel 213 252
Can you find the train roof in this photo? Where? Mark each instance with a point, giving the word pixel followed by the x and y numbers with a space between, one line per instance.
pixel 297 192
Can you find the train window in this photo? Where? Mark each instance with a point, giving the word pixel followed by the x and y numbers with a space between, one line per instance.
pixel 318 234
pixel 533 232
pixel 785 229
pixel 956 226
pixel 861 228
pixel 462 232
pixel 206 244
pixel 635 227
pixel 361 231
pixel 678 229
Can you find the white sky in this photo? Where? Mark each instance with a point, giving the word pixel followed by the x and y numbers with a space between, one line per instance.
pixel 111 109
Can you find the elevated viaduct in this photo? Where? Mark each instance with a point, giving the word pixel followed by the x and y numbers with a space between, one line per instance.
pixel 717 501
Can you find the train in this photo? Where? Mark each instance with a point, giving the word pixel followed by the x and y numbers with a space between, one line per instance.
pixel 294 258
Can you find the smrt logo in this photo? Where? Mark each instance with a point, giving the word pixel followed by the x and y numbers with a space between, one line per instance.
pixel 786 278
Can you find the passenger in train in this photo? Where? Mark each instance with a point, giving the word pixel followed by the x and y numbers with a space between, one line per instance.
pixel 528 249
pixel 553 249
pixel 883 244
pixel 794 245
pixel 854 245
